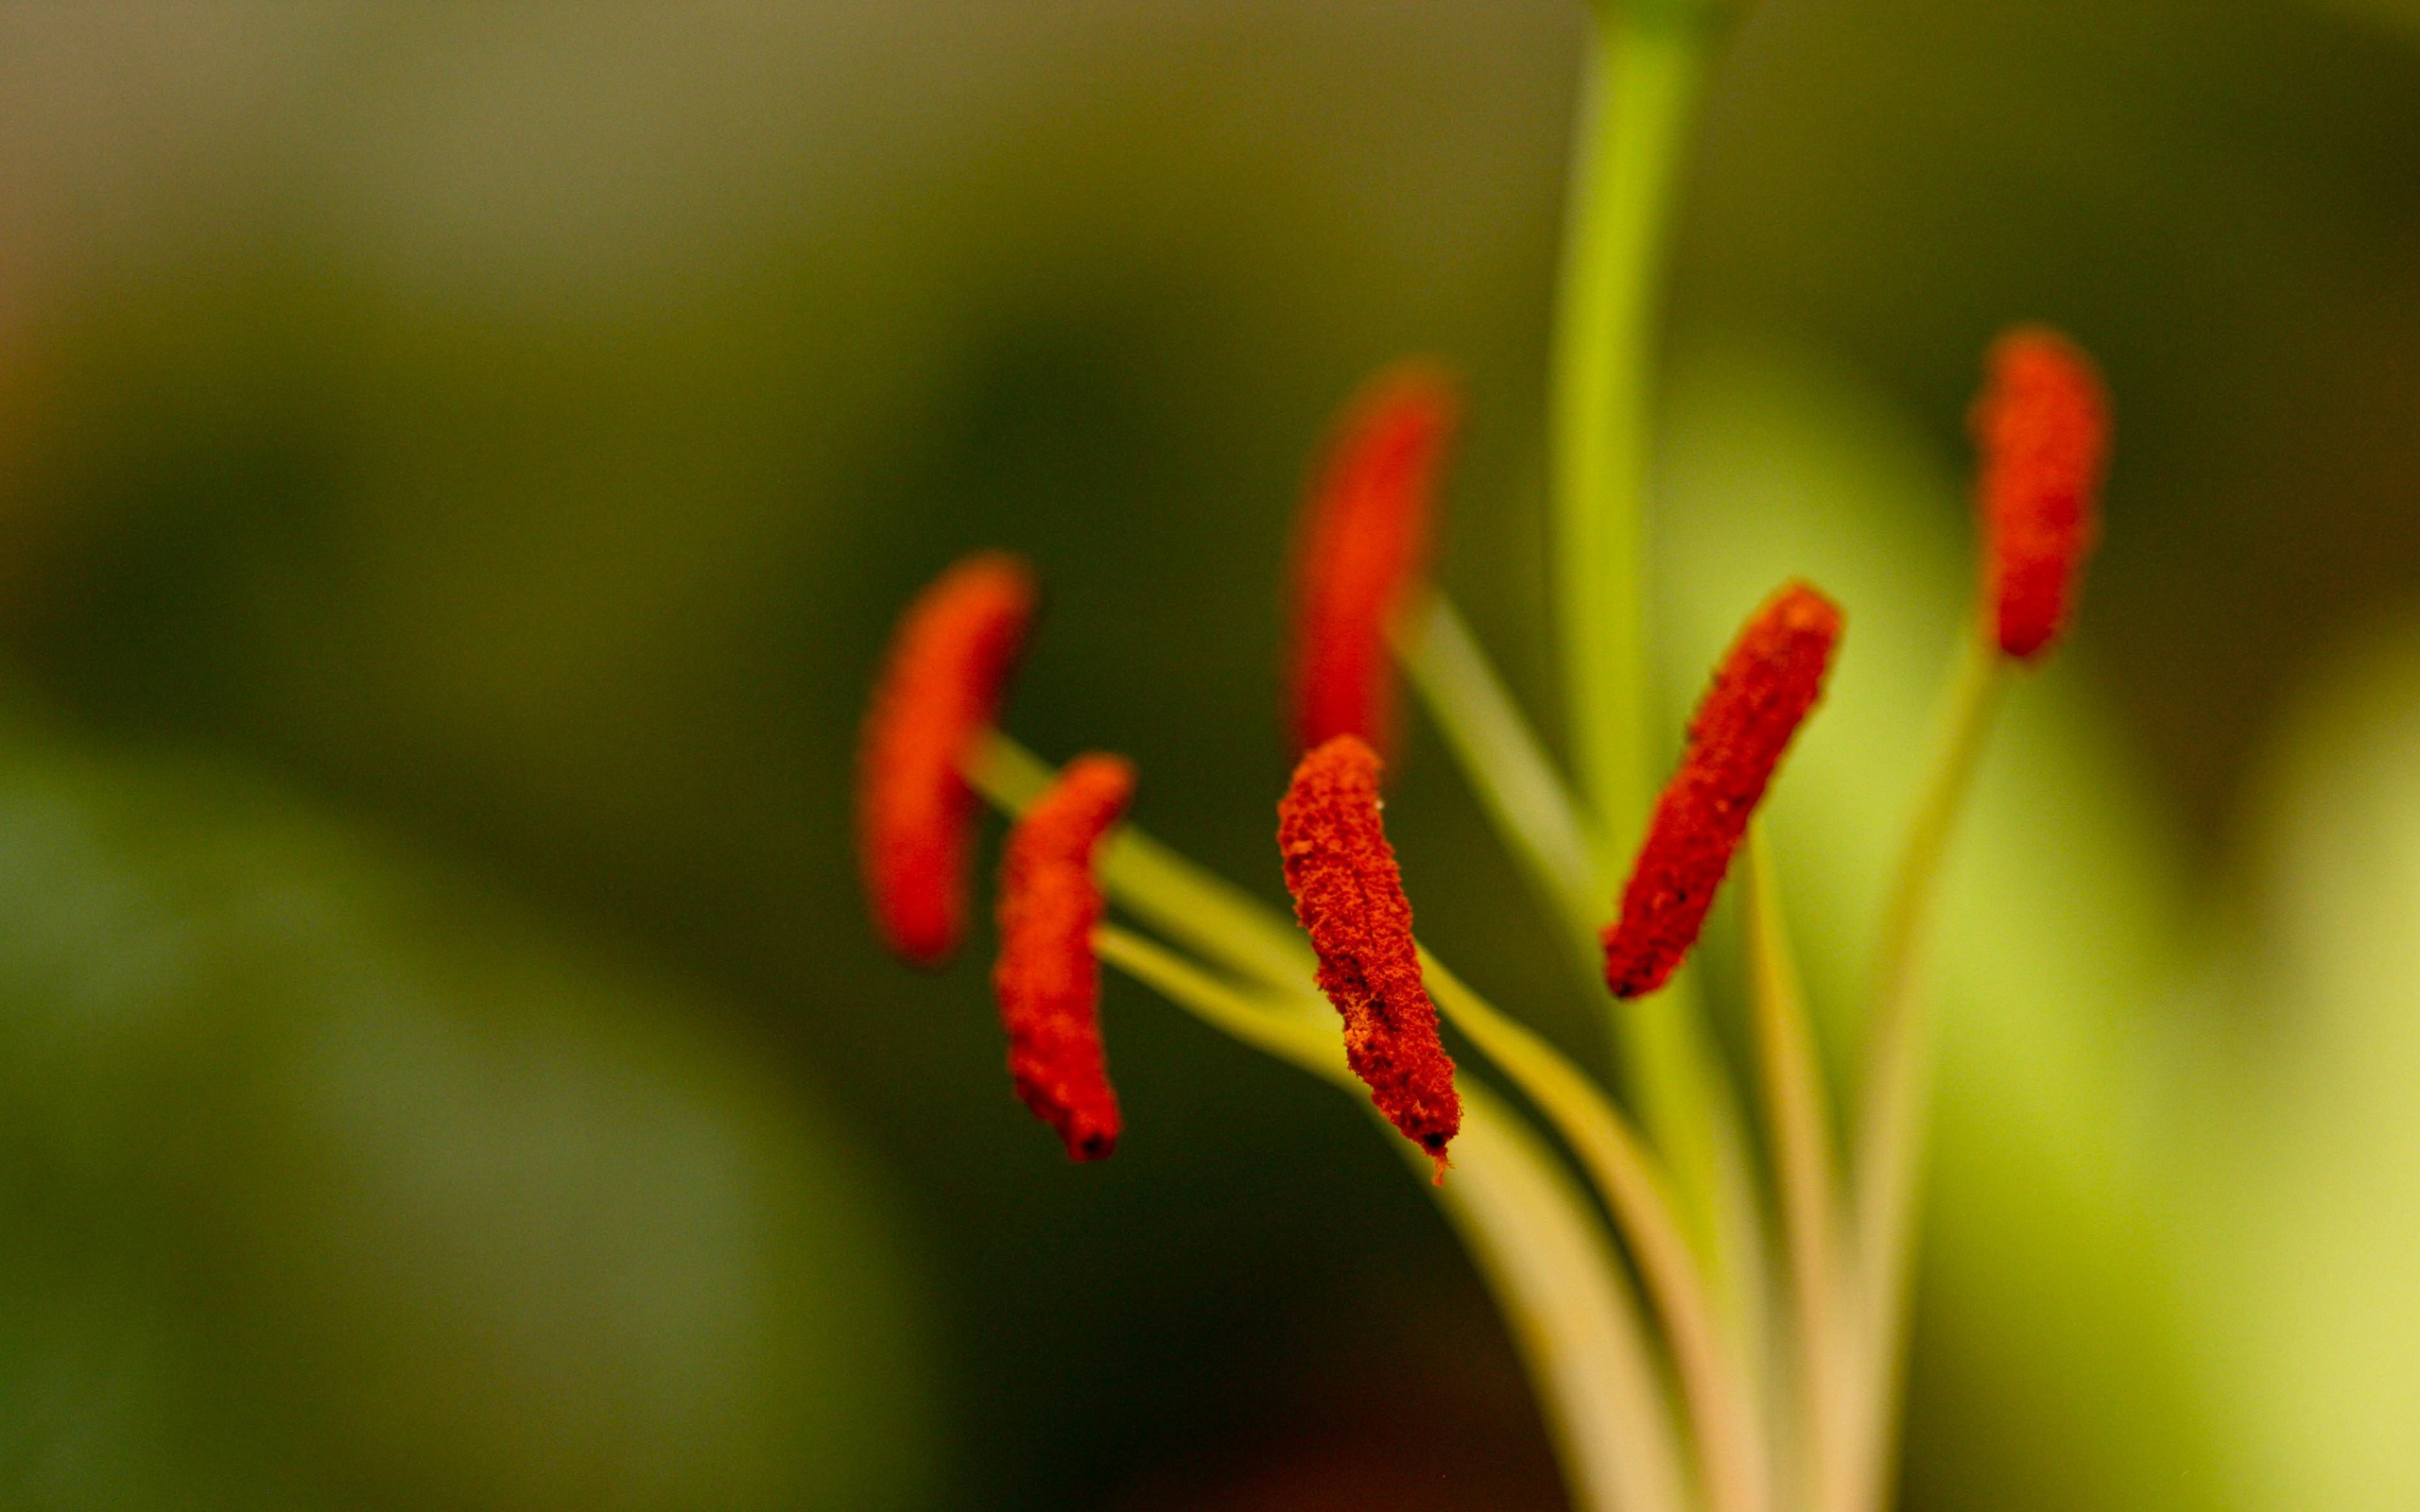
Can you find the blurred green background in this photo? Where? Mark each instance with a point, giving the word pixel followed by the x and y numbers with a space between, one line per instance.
pixel 459 462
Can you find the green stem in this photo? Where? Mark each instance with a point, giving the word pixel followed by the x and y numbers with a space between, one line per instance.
pixel 1898 1067
pixel 1647 64
pixel 1640 103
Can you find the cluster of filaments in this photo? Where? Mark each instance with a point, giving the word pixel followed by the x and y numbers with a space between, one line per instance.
pixel 2041 432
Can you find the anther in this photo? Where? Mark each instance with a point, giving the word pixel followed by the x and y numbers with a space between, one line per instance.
pixel 1047 979
pixel 2041 426
pixel 948 667
pixel 1348 894
pixel 1768 682
pixel 1362 545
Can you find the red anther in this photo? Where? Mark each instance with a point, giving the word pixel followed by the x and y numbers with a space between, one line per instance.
pixel 1768 682
pixel 1047 978
pixel 1362 543
pixel 1349 895
pixel 948 667
pixel 2042 428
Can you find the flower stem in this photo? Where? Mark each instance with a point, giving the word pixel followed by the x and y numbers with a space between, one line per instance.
pixel 1639 103
pixel 1898 1067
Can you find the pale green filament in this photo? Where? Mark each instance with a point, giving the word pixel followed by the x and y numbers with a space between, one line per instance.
pixel 1189 905
pixel 1568 1306
pixel 1510 773
pixel 1541 1250
pixel 1898 1067
pixel 1545 833
pixel 1730 1447
pixel 1797 1127
pixel 1276 1025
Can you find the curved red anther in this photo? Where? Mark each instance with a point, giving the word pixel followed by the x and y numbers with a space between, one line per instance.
pixel 1047 978
pixel 948 670
pixel 1362 545
pixel 1348 894
pixel 1767 684
pixel 2041 426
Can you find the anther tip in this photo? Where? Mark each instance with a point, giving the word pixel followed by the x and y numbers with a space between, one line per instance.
pixel 2042 434
pixel 1361 547
pixel 1767 684
pixel 946 670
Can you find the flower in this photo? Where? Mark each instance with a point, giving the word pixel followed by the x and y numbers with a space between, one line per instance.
pixel 1697 1413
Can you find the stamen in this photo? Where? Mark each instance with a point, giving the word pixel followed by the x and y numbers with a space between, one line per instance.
pixel 1362 543
pixel 2042 428
pixel 1348 894
pixel 1768 682
pixel 1047 978
pixel 948 666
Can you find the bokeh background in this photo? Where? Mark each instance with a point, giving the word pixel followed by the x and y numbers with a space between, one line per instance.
pixel 459 463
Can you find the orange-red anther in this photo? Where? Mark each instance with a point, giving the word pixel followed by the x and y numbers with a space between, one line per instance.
pixel 1047 978
pixel 2042 428
pixel 1362 543
pixel 1349 895
pixel 948 667
pixel 1768 680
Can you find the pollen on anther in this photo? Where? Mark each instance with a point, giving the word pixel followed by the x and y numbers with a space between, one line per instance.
pixel 1047 979
pixel 1348 893
pixel 2041 429
pixel 948 670
pixel 1763 689
pixel 1361 546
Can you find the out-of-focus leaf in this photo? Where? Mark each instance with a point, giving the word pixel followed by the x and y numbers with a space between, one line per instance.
pixel 2317 1154
pixel 327 1183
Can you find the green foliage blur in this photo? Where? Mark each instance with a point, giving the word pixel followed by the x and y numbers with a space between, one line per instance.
pixel 459 462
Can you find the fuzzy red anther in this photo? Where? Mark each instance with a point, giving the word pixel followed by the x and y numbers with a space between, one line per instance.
pixel 1362 543
pixel 2041 426
pixel 1047 978
pixel 1768 682
pixel 1349 896
pixel 948 667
